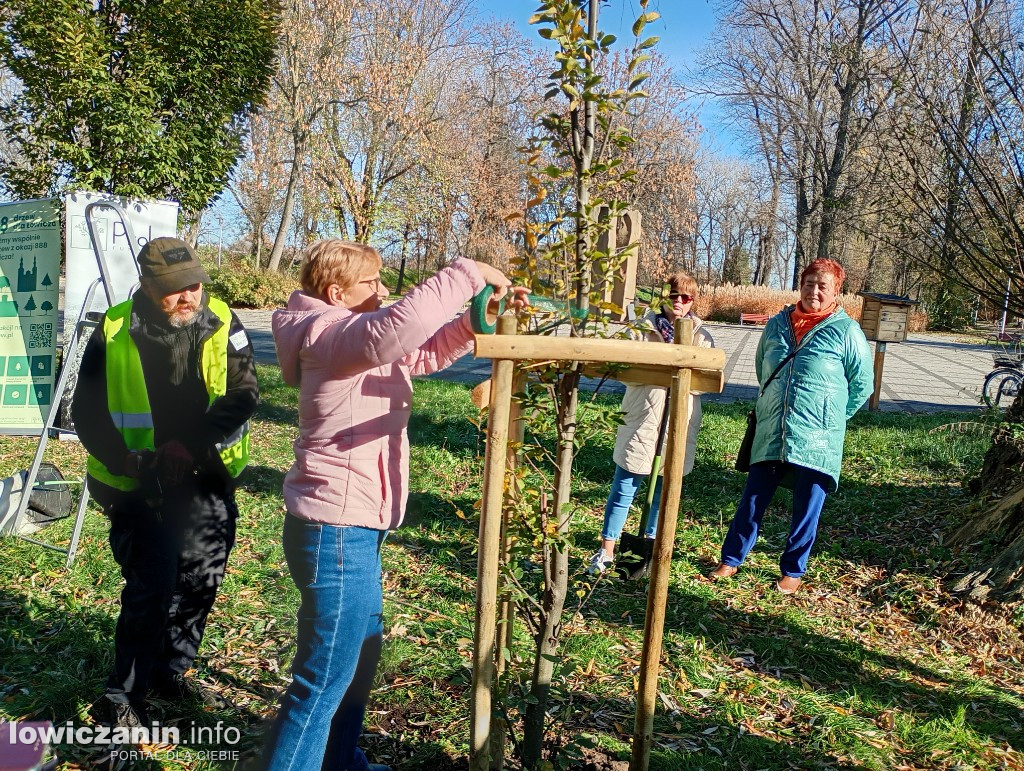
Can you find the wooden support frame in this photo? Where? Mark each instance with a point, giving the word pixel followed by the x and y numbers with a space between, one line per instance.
pixel 684 368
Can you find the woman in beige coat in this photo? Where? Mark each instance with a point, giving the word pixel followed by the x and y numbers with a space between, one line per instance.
pixel 643 407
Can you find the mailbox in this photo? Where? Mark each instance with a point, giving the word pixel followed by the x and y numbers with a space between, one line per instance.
pixel 884 317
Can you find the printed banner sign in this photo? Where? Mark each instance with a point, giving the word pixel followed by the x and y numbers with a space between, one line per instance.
pixel 147 219
pixel 29 275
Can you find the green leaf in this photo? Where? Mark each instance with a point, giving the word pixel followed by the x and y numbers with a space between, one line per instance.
pixel 638 80
pixel 637 61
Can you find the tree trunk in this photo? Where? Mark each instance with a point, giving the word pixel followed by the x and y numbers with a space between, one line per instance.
pixel 997 517
pixel 191 222
pixel 299 146
pixel 803 219
pixel 556 577
pixel 955 156
pixel 837 165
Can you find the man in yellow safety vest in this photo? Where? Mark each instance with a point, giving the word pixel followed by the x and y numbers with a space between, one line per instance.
pixel 165 390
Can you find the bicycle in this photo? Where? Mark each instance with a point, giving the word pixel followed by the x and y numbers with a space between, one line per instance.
pixel 1003 383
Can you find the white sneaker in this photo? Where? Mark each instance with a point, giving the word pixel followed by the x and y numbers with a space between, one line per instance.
pixel 599 563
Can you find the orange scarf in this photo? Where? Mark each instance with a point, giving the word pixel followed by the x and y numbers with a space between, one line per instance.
pixel 803 322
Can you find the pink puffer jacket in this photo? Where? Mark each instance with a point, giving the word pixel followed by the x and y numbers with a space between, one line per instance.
pixel 355 390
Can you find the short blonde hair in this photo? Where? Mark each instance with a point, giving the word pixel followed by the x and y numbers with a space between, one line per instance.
pixel 682 282
pixel 335 261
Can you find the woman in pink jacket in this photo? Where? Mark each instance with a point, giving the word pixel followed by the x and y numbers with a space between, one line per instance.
pixel 352 361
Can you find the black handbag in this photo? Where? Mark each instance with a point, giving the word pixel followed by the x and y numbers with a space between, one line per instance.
pixel 743 456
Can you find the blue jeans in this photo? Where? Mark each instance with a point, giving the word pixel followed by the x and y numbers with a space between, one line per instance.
pixel 624 487
pixel 340 628
pixel 809 490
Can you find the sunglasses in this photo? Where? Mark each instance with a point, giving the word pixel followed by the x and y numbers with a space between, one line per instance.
pixel 686 298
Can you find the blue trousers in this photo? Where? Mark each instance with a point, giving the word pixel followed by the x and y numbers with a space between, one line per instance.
pixel 340 630
pixel 809 490
pixel 624 487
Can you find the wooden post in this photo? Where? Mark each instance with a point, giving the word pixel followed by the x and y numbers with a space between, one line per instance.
pixel 488 554
pixel 661 565
pixel 879 364
pixel 507 608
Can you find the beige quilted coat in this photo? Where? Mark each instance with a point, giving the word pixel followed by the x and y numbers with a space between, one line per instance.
pixel 643 405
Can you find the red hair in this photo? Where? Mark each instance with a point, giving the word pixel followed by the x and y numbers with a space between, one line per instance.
pixel 827 268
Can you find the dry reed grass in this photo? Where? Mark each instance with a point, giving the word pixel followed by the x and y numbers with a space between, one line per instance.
pixel 726 302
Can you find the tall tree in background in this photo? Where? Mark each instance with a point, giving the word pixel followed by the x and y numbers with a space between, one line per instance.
pixel 960 162
pixel 657 176
pixel 131 97
pixel 260 182
pixel 393 104
pixel 808 79
pixel 8 87
pixel 314 66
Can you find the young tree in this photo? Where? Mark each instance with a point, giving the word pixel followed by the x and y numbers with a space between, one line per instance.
pixel 131 97
pixel 575 162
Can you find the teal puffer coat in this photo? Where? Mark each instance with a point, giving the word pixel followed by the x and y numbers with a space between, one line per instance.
pixel 801 416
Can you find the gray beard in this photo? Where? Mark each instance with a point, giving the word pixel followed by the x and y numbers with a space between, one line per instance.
pixel 180 322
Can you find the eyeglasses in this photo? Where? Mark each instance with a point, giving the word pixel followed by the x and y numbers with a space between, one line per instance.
pixel 686 298
pixel 374 283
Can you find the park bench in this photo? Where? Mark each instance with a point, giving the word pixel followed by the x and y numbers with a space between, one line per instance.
pixel 754 318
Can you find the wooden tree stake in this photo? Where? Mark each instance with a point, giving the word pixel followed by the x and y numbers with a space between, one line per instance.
pixel 488 555
pixel 507 608
pixel 661 565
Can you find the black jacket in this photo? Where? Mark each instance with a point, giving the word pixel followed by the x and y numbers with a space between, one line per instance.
pixel 177 394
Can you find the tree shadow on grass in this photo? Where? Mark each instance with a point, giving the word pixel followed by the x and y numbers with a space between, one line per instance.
pixel 54 660
pixel 887 526
pixel 774 647
pixel 276 413
pixel 458 435
pixel 262 480
pixel 686 740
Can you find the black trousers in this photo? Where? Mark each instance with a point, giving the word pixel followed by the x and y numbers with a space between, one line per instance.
pixel 172 552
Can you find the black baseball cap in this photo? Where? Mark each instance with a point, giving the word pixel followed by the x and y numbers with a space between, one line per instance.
pixel 169 265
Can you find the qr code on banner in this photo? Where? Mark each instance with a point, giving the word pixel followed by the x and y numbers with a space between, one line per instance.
pixel 40 335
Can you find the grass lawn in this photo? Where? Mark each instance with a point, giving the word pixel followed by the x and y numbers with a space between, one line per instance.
pixel 871 666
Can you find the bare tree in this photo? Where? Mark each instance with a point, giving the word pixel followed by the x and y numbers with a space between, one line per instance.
pixel 393 103
pixel 314 49
pixel 807 80
pixel 260 179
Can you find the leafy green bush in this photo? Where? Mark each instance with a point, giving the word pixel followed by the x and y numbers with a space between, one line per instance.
pixel 242 286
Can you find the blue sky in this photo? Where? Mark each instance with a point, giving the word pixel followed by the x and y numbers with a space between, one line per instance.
pixel 684 27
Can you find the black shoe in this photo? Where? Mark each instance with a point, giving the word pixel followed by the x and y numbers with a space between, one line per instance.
pixel 124 715
pixel 185 689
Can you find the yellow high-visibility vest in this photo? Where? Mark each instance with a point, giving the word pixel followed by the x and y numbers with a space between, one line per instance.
pixel 128 400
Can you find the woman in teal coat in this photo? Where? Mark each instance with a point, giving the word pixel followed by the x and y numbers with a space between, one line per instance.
pixel 823 375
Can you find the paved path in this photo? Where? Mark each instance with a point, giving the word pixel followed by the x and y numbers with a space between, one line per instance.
pixel 928 373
